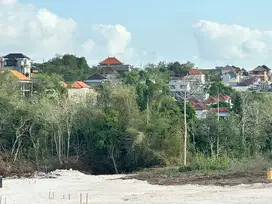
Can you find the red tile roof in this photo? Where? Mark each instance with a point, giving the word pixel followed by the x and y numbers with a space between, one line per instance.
pixel 211 99
pixel 195 72
pixel 64 84
pixel 79 85
pixel 222 110
pixel 19 75
pixel 111 61
pixel 197 104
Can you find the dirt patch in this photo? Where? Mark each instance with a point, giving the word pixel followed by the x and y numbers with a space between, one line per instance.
pixel 163 177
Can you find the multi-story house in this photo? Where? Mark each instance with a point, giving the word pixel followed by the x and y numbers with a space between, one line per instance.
pixel 263 72
pixel 26 84
pixel 194 80
pixel 18 62
pixel 108 69
pixel 95 80
pixel 113 64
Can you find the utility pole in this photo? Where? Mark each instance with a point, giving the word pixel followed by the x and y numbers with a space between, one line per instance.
pixel 217 144
pixel 185 130
pixel 147 110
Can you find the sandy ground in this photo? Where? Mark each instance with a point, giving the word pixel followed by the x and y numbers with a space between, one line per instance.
pixel 110 189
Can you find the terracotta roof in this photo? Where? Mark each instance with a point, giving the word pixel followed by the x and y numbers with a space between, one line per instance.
pixel 197 104
pixel 19 75
pixel 79 85
pixel 221 98
pixel 222 110
pixel 195 72
pixel 111 61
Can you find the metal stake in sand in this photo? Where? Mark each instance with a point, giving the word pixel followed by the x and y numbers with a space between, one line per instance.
pixel 80 198
pixel 269 173
pixel 86 198
pixel 1 181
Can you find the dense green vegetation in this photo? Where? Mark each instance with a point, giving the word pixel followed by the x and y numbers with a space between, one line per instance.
pixel 133 123
pixel 69 67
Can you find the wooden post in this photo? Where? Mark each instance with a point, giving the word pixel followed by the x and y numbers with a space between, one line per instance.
pixel 86 198
pixel 1 181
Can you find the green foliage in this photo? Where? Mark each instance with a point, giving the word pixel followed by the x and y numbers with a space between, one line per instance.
pixel 70 67
pixel 203 163
pixel 132 123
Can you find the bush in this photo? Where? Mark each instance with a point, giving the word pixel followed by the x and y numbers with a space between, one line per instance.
pixel 204 163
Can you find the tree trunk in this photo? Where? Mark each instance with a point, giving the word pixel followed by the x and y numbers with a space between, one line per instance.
pixel 111 154
pixel 17 150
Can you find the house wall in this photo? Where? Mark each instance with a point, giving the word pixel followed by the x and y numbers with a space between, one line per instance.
pixel 94 83
pixel 122 67
pixel 223 114
pixel 264 75
pixel 201 114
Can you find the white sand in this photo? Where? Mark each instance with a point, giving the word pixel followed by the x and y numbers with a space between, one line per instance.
pixel 110 189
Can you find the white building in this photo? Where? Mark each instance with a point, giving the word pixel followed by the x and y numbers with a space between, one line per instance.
pixel 80 91
pixel 195 80
pixel 18 62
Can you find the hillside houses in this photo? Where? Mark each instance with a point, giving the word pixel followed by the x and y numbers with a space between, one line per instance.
pixel 108 69
pixel 213 105
pixel 193 80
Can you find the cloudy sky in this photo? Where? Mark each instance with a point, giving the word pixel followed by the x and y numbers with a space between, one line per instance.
pixel 206 32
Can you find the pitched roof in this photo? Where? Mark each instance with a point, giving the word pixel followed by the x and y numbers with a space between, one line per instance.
pixel 221 98
pixel 96 76
pixel 79 85
pixel 19 75
pixel 195 72
pixel 249 81
pixel 261 68
pixel 197 104
pixel 16 55
pixel 111 61
pixel 221 110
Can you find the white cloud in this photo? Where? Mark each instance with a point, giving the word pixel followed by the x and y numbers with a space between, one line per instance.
pixel 114 40
pixel 37 33
pixel 116 36
pixel 232 42
pixel 7 1
pixel 41 34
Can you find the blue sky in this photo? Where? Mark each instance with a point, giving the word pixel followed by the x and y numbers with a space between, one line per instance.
pixel 158 30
